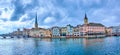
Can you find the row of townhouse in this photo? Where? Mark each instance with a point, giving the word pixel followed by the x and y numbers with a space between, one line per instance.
pixel 79 30
pixel 68 31
pixel 82 30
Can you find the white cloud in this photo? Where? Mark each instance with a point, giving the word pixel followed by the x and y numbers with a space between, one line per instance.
pixel 45 26
pixel 49 20
pixel 42 10
pixel 51 8
pixel 110 19
pixel 10 26
pixel 25 16
pixel 24 2
pixel 105 15
pixel 5 2
pixel 6 12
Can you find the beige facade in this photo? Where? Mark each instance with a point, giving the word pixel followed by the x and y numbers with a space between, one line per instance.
pixel 108 31
pixel 26 31
pixel 39 32
pixel 63 31
pixel 76 31
pixel 48 33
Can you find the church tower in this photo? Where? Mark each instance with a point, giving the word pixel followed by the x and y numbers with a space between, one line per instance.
pixel 85 19
pixel 36 23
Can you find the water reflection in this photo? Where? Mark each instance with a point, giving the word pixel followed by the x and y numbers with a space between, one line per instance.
pixel 48 46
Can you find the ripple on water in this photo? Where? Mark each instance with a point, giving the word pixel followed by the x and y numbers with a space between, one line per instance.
pixel 34 46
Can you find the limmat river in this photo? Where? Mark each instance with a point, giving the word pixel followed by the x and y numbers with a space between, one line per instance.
pixel 78 46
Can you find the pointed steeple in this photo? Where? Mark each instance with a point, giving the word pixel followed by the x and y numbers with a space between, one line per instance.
pixel 36 23
pixel 85 19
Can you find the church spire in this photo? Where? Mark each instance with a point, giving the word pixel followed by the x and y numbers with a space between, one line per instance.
pixel 36 23
pixel 85 19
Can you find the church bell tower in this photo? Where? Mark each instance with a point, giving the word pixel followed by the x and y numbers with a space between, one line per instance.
pixel 36 23
pixel 85 20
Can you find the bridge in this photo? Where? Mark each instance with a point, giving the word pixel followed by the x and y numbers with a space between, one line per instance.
pixel 13 36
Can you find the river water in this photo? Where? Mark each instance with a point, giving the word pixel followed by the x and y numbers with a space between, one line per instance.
pixel 46 46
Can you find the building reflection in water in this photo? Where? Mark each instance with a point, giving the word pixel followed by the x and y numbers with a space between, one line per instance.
pixel 36 44
pixel 87 42
pixel 46 39
pixel 90 45
pixel 71 46
pixel 43 46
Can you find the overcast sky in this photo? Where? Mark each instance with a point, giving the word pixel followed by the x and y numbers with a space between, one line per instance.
pixel 21 13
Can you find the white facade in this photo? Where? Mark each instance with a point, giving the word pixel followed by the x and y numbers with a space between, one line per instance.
pixel 55 32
